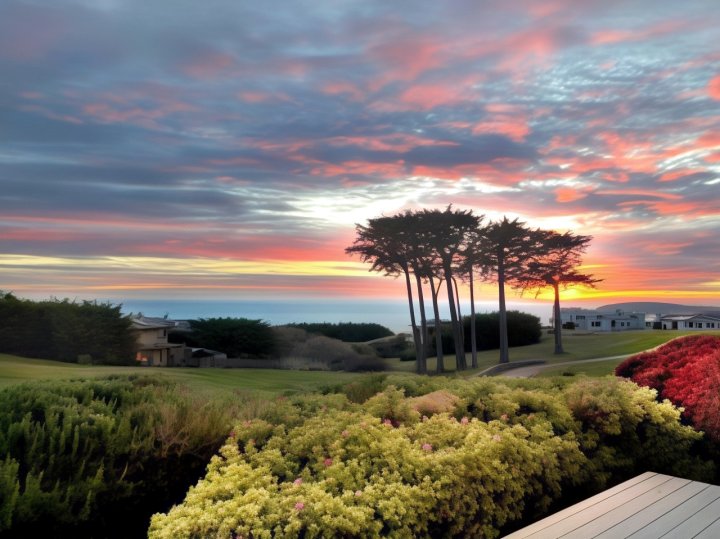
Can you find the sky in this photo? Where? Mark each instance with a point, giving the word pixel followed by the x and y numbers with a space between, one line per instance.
pixel 226 149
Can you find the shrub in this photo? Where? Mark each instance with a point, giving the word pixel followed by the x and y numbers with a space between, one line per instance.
pixel 237 337
pixel 325 467
pixel 332 354
pixel 687 372
pixel 66 330
pixel 98 457
pixel 345 331
pixel 523 329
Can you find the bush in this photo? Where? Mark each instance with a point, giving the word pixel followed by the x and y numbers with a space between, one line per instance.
pixel 345 331
pixel 486 453
pixel 66 330
pixel 397 346
pixel 237 337
pixel 523 329
pixel 98 457
pixel 686 371
pixel 332 354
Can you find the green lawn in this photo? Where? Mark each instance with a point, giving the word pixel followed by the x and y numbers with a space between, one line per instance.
pixel 15 370
pixel 577 345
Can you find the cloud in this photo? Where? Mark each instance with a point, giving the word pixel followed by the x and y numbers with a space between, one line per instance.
pixel 134 129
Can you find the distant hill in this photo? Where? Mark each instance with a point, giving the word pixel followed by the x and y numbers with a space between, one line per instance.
pixel 653 307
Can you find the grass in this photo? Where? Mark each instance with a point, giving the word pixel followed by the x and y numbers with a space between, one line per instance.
pixel 14 370
pixel 590 368
pixel 577 346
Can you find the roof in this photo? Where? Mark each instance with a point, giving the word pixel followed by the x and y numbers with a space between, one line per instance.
pixel 680 317
pixel 648 506
pixel 145 322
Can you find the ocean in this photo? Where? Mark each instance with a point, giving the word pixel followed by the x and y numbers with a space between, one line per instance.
pixel 393 314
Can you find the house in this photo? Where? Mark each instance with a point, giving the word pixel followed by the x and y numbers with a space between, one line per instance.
pixel 594 320
pixel 154 350
pixel 691 321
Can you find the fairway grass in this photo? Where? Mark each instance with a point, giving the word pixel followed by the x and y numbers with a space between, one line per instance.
pixel 578 346
pixel 14 370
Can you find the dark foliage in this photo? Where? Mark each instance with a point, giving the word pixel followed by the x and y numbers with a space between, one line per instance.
pixel 96 458
pixel 237 337
pixel 64 330
pixel 345 331
pixel 523 329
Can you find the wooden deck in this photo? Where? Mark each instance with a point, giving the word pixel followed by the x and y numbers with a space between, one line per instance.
pixel 649 506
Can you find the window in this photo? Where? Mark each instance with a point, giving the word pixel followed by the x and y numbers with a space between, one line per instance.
pixel 580 317
pixel 595 324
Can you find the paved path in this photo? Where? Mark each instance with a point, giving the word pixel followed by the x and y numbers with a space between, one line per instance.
pixel 534 370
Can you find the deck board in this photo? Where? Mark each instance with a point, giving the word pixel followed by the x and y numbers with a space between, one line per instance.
pixel 650 505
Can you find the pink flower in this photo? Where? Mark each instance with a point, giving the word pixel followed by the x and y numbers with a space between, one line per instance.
pixel 464 421
pixel 427 447
pixel 327 462
pixel 358 493
pixel 387 423
pixel 504 417
pixel 497 438
pixel 298 481
pixel 425 418
pixel 299 506
pixel 232 434
pixel 345 433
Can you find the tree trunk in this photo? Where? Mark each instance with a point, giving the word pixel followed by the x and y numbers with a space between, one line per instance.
pixel 413 323
pixel 438 326
pixel 461 324
pixel 557 320
pixel 473 338
pixel 459 355
pixel 422 358
pixel 504 353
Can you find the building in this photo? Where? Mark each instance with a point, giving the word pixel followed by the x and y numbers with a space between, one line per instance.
pixel 154 350
pixel 594 320
pixel 691 321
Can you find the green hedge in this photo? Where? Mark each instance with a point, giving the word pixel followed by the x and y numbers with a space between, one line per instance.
pixel 345 331
pixel 98 457
pixel 325 467
pixel 66 331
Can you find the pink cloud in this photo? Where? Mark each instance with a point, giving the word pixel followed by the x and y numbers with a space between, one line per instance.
pixel 714 87
pixel 343 88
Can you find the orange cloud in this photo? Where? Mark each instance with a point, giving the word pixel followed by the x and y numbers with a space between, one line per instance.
pixel 568 194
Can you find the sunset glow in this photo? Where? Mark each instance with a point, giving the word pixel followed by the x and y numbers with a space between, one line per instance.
pixel 171 149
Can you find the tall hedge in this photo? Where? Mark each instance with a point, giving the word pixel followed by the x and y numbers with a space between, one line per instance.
pixel 429 458
pixel 346 331
pixel 236 337
pixel 64 330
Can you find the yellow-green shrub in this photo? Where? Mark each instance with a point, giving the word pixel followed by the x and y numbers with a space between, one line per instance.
pixel 381 469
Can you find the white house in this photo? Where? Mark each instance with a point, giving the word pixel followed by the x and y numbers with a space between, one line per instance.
pixel 691 321
pixel 594 320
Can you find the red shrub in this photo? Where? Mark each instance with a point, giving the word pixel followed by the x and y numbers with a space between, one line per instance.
pixel 687 372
